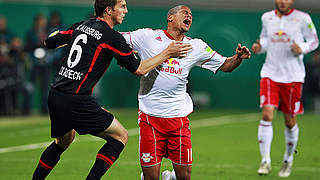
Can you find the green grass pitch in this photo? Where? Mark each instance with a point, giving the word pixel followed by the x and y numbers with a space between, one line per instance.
pixel 224 143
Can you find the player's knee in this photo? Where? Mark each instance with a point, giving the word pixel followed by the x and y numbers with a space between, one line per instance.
pixel 121 135
pixel 290 121
pixel 267 116
pixel 151 176
pixel 66 140
pixel 290 124
pixel 124 136
pixel 185 175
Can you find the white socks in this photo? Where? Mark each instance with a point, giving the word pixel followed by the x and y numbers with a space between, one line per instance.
pixel 265 134
pixel 173 175
pixel 291 142
pixel 168 175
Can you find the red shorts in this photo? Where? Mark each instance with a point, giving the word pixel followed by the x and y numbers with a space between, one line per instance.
pixel 286 96
pixel 164 137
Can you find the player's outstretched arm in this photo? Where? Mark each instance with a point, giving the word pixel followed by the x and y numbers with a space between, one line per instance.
pixel 60 39
pixel 57 39
pixel 175 49
pixel 242 52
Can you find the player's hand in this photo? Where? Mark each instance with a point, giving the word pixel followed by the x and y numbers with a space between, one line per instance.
pixel 256 47
pixel 243 52
pixel 295 48
pixel 178 49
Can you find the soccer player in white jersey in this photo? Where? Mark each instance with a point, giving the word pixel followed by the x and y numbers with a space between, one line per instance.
pixel 164 104
pixel 287 34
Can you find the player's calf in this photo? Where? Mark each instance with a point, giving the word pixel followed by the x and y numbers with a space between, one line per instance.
pixel 48 160
pixel 106 156
pixel 181 172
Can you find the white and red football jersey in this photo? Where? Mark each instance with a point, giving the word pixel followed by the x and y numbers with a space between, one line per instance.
pixel 277 35
pixel 162 91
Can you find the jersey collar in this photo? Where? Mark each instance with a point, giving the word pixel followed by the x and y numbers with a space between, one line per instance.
pixel 287 14
pixel 169 36
pixel 100 19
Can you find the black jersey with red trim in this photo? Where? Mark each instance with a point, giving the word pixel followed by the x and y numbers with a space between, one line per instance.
pixel 91 45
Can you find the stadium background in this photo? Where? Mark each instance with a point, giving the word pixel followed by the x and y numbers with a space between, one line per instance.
pixel 222 24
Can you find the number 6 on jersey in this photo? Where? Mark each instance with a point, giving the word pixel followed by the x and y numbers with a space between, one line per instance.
pixel 78 49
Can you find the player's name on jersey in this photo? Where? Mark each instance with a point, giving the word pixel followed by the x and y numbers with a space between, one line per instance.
pixel 70 74
pixel 171 70
pixel 90 31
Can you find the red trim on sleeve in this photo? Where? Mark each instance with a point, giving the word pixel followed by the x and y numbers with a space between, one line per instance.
pixel 66 32
pixel 104 45
pixel 208 59
pixel 95 57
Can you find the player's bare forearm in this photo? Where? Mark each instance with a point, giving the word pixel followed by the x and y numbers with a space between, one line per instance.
pixel 233 62
pixel 175 49
pixel 150 63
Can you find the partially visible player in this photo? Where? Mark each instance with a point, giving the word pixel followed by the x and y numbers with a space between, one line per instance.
pixel 164 104
pixel 287 34
pixel 91 46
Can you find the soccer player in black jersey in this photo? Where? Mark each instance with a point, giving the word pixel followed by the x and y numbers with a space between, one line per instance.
pixel 91 46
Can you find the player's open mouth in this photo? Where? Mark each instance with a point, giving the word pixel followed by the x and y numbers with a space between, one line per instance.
pixel 187 22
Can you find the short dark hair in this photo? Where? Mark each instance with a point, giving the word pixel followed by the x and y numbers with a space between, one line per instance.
pixel 101 5
pixel 175 10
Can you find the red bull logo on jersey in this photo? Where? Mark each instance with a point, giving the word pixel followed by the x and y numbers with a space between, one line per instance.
pixel 280 37
pixel 171 68
pixel 280 33
pixel 171 62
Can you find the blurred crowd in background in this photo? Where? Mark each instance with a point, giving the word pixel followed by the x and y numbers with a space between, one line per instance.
pixel 27 68
pixel 25 65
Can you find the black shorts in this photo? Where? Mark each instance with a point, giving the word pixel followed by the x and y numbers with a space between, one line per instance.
pixel 79 112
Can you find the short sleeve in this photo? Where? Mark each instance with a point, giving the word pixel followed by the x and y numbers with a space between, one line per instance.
pixel 208 58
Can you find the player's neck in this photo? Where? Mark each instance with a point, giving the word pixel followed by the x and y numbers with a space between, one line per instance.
pixel 280 14
pixel 177 35
pixel 107 20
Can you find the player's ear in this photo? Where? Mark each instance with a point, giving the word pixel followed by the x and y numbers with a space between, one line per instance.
pixel 108 11
pixel 170 18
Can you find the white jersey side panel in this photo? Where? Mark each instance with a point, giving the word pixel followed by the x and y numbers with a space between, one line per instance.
pixel 163 91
